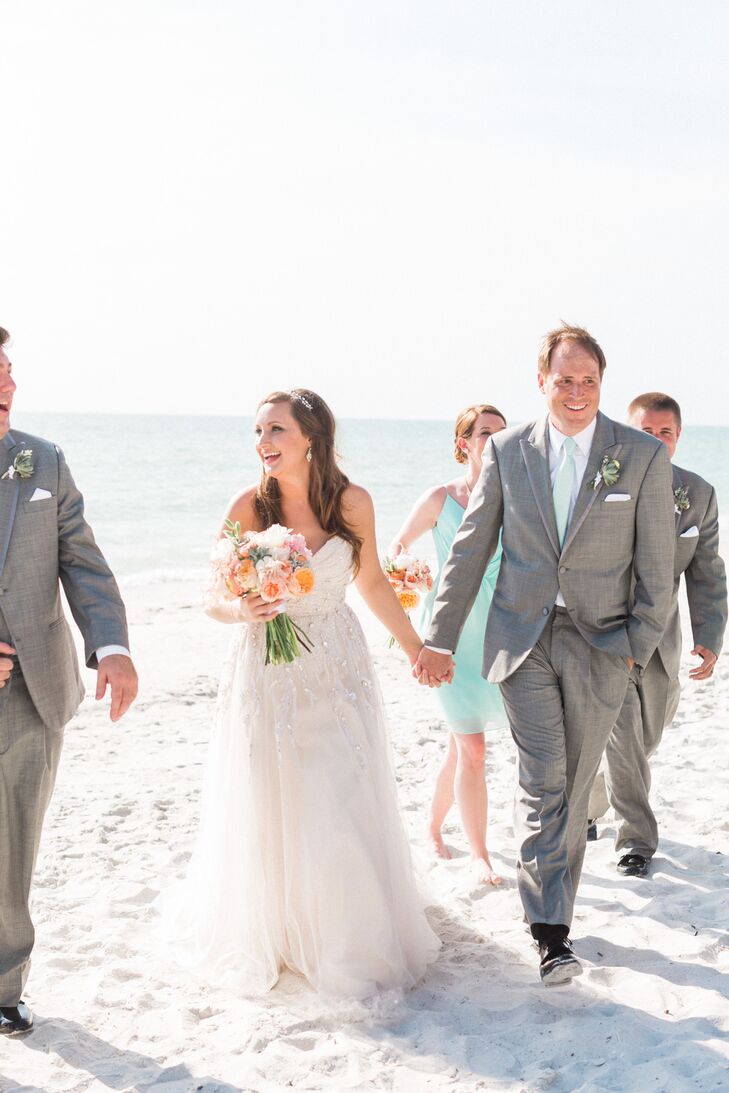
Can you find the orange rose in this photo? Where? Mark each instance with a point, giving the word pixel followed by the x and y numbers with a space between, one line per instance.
pixel 408 600
pixel 301 582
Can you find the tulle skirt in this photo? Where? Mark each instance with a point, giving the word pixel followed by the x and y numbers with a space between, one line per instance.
pixel 301 860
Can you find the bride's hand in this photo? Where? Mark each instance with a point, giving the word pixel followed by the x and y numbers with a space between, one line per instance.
pixel 412 652
pixel 252 608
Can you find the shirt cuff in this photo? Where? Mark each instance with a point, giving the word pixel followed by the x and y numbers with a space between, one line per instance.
pixel 111 650
pixel 434 649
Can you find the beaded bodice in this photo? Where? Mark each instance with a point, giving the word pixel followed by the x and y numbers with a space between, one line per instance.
pixel 332 565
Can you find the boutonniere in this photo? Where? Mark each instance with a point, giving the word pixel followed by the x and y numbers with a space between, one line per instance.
pixel 681 501
pixel 22 465
pixel 609 473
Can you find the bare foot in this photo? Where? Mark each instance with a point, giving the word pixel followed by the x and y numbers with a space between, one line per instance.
pixel 436 844
pixel 483 873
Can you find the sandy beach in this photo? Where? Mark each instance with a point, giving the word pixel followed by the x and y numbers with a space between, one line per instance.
pixel 650 1013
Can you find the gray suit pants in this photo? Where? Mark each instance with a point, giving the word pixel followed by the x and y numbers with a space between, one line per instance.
pixel 29 757
pixel 562 703
pixel 633 741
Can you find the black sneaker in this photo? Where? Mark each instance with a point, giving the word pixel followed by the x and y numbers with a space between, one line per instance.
pixel 633 865
pixel 15 1019
pixel 558 962
pixel 592 831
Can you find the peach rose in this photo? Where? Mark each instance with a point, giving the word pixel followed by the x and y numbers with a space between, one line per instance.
pixel 241 577
pixel 272 579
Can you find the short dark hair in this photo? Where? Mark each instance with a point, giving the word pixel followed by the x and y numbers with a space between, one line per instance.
pixel 565 333
pixel 4 336
pixel 656 402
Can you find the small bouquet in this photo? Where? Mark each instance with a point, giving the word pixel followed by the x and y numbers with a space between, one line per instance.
pixel 409 577
pixel 274 563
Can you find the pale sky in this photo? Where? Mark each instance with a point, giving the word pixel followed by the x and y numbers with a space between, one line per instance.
pixel 388 202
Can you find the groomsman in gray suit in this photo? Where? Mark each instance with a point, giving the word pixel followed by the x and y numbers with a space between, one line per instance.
pixel 44 539
pixel 640 726
pixel 585 511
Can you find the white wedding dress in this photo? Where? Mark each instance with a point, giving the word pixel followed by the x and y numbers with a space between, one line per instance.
pixel 302 860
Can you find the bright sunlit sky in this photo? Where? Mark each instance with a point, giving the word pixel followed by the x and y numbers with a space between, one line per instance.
pixel 388 202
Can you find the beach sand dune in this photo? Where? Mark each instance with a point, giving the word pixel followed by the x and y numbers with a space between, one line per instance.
pixel 112 1013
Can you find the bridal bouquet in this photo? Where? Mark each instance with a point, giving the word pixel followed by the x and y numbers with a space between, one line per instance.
pixel 409 577
pixel 275 564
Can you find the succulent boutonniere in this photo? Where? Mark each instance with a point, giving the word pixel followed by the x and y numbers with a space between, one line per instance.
pixel 22 465
pixel 681 501
pixel 609 473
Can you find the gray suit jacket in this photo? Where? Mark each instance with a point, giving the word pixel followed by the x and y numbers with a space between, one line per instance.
pixel 42 542
pixel 610 547
pixel 697 557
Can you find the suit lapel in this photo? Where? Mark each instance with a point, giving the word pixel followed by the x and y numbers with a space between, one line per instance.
pixel 535 452
pixel 603 444
pixel 677 483
pixel 9 490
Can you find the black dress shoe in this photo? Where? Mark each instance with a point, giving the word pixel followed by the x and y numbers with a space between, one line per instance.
pixel 558 962
pixel 633 865
pixel 592 831
pixel 15 1019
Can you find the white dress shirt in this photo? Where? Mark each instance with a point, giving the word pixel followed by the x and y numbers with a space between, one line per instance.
pixel 583 442
pixel 108 650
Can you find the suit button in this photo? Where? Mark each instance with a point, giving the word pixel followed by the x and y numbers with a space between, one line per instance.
pixel 563 569
pixel 545 610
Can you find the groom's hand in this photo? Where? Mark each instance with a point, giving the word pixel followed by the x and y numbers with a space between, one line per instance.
pixel 708 660
pixel 431 668
pixel 118 672
pixel 6 664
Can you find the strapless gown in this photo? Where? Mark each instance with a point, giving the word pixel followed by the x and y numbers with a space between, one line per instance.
pixel 470 703
pixel 302 861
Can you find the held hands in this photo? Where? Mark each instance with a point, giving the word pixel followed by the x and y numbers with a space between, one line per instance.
pixel 6 664
pixel 705 669
pixel 118 672
pixel 431 668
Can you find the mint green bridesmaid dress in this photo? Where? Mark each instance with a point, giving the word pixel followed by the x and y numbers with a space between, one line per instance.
pixel 469 702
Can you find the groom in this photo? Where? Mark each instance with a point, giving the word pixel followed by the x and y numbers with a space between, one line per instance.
pixel 585 509
pixel 43 539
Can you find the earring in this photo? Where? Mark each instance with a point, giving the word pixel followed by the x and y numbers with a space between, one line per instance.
pixel 308 454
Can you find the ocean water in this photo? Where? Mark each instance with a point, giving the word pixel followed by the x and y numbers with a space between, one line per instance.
pixel 156 486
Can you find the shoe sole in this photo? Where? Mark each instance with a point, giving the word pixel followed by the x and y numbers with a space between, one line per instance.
pixel 561 972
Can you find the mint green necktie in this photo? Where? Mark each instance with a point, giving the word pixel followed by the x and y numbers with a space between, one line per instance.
pixel 563 486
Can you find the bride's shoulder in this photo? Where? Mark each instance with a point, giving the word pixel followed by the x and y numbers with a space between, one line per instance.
pixel 357 498
pixel 242 508
pixel 357 505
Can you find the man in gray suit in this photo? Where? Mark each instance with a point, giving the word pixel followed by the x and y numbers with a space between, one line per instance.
pixel 640 726
pixel 585 511
pixel 43 539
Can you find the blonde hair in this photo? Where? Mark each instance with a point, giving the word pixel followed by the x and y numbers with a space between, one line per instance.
pixel 567 333
pixel 465 423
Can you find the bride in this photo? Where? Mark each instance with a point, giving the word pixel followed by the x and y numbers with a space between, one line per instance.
pixel 302 860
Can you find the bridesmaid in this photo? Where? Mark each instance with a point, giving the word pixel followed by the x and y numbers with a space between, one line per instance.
pixel 469 702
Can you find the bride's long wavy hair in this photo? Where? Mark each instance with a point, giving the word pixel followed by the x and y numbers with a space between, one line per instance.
pixel 327 482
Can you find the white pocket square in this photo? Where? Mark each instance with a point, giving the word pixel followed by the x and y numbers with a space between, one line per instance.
pixel 40 495
pixel 689 533
pixel 618 497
